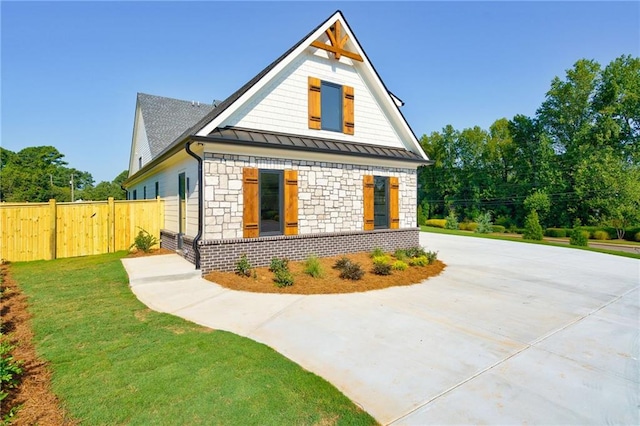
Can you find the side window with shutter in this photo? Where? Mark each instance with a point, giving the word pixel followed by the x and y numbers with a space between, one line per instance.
pixel 270 202
pixel 331 106
pixel 250 196
pixel 381 202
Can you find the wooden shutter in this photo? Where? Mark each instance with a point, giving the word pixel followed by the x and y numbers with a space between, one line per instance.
pixel 251 212
pixel 290 202
pixel 394 205
pixel 368 202
pixel 348 122
pixel 315 120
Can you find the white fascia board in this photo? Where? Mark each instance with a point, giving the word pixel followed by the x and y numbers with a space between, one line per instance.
pixel 268 77
pixel 136 119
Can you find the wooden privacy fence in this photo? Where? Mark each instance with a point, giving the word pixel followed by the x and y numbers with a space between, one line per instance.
pixel 34 231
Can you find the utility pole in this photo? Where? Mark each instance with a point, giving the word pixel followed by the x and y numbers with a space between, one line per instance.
pixel 71 183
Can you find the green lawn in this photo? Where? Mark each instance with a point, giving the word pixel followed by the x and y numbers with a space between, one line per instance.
pixel 114 361
pixel 520 240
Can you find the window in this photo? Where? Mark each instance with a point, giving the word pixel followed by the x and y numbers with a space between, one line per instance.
pixel 157 190
pixel 135 194
pixel 144 192
pixel 331 106
pixel 139 162
pixel 381 202
pixel 270 202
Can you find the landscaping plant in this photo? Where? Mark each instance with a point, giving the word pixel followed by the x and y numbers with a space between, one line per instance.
pixel 243 267
pixel 352 271
pixel 579 238
pixel 532 227
pixel 313 267
pixel 484 223
pixel 381 265
pixel 451 221
pixel 144 241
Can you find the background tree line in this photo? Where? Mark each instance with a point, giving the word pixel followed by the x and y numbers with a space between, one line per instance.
pixel 37 174
pixel 577 159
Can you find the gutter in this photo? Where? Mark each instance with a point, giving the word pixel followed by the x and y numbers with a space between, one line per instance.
pixel 196 240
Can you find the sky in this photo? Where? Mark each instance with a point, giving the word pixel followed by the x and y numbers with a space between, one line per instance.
pixel 70 71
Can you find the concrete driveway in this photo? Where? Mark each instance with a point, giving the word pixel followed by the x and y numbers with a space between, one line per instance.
pixel 509 333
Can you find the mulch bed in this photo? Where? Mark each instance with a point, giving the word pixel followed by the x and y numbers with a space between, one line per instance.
pixel 330 283
pixel 140 253
pixel 37 403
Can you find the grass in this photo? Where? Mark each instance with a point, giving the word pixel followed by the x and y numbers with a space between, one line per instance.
pixel 520 240
pixel 115 361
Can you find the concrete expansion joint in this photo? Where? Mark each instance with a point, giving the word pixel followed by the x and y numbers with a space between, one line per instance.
pixel 527 346
pixel 164 278
pixel 274 316
pixel 191 305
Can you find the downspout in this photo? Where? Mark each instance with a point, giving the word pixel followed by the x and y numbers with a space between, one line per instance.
pixel 196 247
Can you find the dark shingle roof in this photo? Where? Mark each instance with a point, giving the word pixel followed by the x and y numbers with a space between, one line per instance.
pixel 166 118
pixel 304 143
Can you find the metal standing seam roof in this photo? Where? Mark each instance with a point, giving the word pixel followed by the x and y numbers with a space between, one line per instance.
pixel 303 143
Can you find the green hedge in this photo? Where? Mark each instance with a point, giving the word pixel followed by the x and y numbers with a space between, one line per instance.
pixel 555 232
pixel 437 223
pixel 468 226
pixel 497 228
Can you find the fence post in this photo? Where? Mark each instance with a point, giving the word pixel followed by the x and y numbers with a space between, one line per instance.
pixel 53 233
pixel 111 245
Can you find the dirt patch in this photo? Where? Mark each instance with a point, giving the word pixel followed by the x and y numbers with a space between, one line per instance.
pixel 330 283
pixel 140 253
pixel 37 403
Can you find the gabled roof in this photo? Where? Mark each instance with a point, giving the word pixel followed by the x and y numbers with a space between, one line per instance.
pixel 165 118
pixel 206 123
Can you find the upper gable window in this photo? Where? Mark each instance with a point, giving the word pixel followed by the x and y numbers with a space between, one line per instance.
pixel 331 106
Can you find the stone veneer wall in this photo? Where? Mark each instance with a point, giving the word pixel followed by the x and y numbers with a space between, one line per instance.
pixel 223 254
pixel 330 195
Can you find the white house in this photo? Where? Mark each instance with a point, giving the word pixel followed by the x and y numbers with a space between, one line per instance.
pixel 312 156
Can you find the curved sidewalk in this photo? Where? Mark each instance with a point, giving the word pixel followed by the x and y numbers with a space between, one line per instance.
pixel 508 333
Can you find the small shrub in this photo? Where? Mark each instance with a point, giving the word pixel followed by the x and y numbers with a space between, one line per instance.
pixel 419 261
pixel 555 232
pixel 484 223
pixel 400 254
pixel 637 237
pixel 341 263
pixel 399 265
pixel 630 234
pixel 415 252
pixel 601 235
pixel 283 278
pixel 313 267
pixel 279 264
pixel 352 271
pixel 436 223
pixel 468 226
pixel 451 222
pixel 381 259
pixel 243 267
pixel 10 369
pixel 532 228
pixel 579 238
pixel 144 241
pixel 381 266
pixel 432 256
pixel 498 228
pixel 377 252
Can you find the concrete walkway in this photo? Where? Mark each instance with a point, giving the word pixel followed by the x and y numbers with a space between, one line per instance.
pixel 510 333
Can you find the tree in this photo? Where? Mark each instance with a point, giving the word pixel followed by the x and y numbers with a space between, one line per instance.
pixel 532 228
pixel 538 202
pixel 104 189
pixel 37 174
